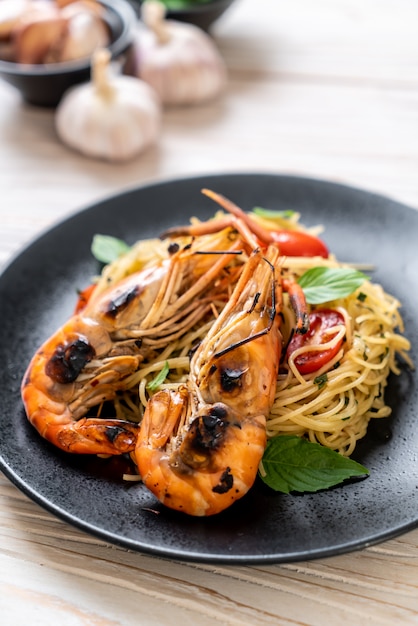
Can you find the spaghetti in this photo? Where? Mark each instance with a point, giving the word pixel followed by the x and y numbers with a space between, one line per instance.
pixel 332 405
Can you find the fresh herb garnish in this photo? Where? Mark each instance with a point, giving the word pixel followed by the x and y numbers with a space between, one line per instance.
pixel 324 284
pixel 160 378
pixel 273 215
pixel 291 463
pixel 107 249
pixel 321 380
pixel 182 4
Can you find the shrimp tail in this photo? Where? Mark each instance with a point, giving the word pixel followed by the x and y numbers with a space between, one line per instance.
pixel 95 436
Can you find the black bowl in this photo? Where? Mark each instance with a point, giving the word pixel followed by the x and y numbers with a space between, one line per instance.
pixel 44 85
pixel 201 15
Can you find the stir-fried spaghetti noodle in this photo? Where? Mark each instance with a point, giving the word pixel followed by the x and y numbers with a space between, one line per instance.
pixel 331 406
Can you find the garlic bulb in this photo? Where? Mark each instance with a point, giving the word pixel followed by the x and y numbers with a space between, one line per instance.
pixel 178 60
pixel 113 118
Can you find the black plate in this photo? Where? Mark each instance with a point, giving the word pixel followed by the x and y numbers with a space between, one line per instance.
pixel 37 293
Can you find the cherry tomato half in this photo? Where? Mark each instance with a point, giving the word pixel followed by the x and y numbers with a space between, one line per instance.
pixel 83 298
pixel 321 323
pixel 298 243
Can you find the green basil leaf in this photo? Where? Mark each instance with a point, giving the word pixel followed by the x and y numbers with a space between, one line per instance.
pixel 159 379
pixel 273 215
pixel 182 4
pixel 321 380
pixel 107 249
pixel 324 284
pixel 292 463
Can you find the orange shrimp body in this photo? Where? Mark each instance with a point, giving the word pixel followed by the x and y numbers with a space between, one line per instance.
pixel 91 357
pixel 198 449
pixel 202 471
pixel 77 368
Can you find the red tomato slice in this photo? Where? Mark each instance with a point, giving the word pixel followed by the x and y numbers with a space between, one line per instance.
pixel 321 323
pixel 83 298
pixel 298 243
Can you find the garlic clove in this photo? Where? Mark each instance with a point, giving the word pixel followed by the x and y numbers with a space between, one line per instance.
pixel 7 51
pixel 51 31
pixel 86 32
pixel 82 6
pixel 11 12
pixel 35 38
pixel 180 61
pixel 112 118
pixel 65 3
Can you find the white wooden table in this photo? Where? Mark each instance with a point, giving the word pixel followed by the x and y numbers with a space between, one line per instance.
pixel 326 89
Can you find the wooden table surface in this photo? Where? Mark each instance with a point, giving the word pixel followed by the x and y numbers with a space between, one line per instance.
pixel 326 89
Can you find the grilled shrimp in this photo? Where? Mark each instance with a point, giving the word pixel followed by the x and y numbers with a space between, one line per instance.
pixel 91 357
pixel 199 448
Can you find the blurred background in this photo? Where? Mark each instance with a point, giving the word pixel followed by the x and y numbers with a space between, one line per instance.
pixel 326 89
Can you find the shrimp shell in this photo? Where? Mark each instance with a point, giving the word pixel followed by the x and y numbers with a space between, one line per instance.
pixel 199 448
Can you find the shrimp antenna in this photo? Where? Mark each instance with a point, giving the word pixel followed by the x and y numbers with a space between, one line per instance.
pixel 245 224
pixel 272 315
pixel 236 252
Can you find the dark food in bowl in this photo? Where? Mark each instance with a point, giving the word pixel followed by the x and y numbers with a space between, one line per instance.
pixel 44 83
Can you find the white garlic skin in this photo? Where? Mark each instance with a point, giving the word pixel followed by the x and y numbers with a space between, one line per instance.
pixel 186 69
pixel 87 32
pixel 114 128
